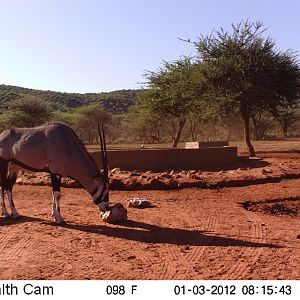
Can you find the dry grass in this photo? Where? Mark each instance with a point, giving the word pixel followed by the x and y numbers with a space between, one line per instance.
pixel 280 146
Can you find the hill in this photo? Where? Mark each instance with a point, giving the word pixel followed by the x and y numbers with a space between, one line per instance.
pixel 116 102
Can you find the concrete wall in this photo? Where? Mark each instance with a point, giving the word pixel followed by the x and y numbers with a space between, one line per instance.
pixel 193 145
pixel 162 159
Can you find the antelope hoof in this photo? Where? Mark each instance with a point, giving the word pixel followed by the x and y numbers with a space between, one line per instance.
pixel 15 216
pixel 60 221
pixel 6 215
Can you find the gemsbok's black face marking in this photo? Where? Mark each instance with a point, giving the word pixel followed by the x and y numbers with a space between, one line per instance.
pixel 55 149
pixel 101 194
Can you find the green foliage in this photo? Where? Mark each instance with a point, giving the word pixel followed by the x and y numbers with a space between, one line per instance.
pixel 262 121
pixel 173 88
pixel 119 102
pixel 85 119
pixel 65 117
pixel 145 122
pixel 26 112
pixel 286 118
pixel 78 110
pixel 243 68
pixel 173 91
pixel 116 102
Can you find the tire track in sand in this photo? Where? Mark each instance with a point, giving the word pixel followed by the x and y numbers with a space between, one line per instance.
pixel 4 239
pixel 186 260
pixel 17 250
pixel 174 264
pixel 165 266
pixel 198 251
pixel 22 248
pixel 164 271
pixel 173 258
pixel 251 254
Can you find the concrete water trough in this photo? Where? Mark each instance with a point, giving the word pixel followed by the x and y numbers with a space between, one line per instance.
pixel 164 159
pixel 209 144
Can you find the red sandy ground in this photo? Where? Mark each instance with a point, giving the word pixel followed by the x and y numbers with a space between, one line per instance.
pixel 191 233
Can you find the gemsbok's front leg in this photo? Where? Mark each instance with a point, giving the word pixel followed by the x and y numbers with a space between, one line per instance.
pixel 3 176
pixel 55 180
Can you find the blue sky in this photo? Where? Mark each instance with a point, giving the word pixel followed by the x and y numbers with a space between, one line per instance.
pixel 94 45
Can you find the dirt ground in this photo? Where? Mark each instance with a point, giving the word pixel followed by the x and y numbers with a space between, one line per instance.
pixel 223 232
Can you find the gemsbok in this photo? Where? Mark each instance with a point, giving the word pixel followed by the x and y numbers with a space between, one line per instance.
pixel 53 148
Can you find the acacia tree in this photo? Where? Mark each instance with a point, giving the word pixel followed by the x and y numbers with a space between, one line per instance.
pixel 243 69
pixel 286 119
pixel 28 111
pixel 145 122
pixel 84 121
pixel 203 114
pixel 262 121
pixel 172 91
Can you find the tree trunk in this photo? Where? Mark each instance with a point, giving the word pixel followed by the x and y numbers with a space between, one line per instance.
pixel 255 129
pixel 158 135
pixel 229 133
pixel 246 118
pixel 193 126
pixel 172 130
pixel 178 133
pixel 285 129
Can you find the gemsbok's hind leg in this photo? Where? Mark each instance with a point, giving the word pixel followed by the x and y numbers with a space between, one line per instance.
pixel 11 180
pixel 55 180
pixel 3 177
pixel 4 211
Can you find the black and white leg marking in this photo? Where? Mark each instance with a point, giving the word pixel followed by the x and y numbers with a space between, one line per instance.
pixel 11 180
pixel 3 181
pixel 55 180
pixel 4 210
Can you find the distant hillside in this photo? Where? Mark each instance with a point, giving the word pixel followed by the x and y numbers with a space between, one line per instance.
pixel 116 102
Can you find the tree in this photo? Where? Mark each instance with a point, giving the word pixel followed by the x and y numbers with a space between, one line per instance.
pixel 262 121
pixel 65 117
pixel 27 111
pixel 243 69
pixel 201 115
pixel 145 122
pixel 286 119
pixel 85 120
pixel 172 91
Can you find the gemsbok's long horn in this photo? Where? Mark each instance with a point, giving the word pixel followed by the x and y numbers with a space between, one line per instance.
pixel 105 155
pixel 103 151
